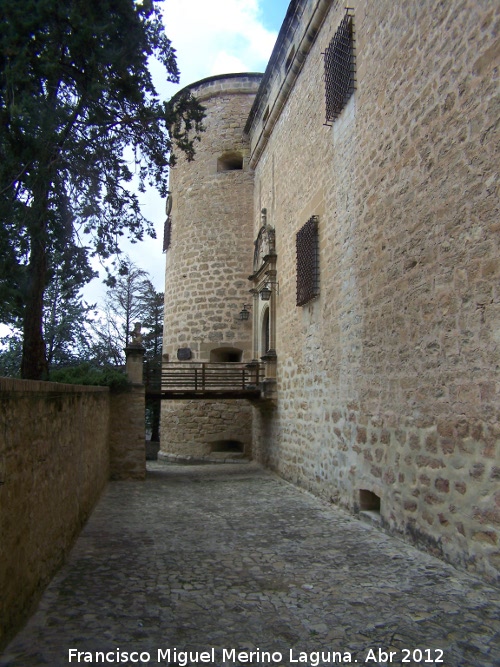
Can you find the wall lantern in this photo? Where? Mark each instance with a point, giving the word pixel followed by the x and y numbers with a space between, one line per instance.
pixel 265 293
pixel 244 313
pixel 267 290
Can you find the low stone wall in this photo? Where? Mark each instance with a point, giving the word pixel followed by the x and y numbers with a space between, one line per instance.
pixel 56 442
pixel 127 447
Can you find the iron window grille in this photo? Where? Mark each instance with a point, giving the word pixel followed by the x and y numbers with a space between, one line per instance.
pixel 307 247
pixel 339 61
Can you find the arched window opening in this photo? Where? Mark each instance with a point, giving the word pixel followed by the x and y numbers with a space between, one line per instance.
pixel 230 161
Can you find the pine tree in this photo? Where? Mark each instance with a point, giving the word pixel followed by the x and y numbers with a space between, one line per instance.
pixel 75 93
pixel 153 342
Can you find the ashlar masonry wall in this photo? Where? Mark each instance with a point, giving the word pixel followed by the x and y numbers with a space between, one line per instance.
pixel 388 381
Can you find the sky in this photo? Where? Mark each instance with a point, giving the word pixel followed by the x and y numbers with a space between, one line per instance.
pixel 210 37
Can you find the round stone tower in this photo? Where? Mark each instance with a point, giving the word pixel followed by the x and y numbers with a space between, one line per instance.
pixel 209 241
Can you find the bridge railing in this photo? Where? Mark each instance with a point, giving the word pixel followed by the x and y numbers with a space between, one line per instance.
pixel 200 377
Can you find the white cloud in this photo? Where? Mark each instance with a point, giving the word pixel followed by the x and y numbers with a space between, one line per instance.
pixel 203 30
pixel 225 62
pixel 211 37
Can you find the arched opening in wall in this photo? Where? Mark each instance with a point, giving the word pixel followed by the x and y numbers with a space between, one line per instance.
pixel 231 161
pixel 226 354
pixel 369 507
pixel 369 500
pixel 265 332
pixel 227 446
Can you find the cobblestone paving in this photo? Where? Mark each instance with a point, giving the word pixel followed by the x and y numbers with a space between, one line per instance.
pixel 220 557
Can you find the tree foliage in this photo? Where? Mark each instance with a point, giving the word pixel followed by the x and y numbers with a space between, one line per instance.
pixel 76 101
pixel 152 322
pixel 126 302
pixel 65 319
pixel 10 356
pixel 153 342
pixel 87 374
pixel 81 344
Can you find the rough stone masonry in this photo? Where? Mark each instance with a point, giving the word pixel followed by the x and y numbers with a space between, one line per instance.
pixel 387 390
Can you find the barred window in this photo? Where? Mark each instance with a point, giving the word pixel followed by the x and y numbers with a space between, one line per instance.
pixel 167 227
pixel 339 69
pixel 307 246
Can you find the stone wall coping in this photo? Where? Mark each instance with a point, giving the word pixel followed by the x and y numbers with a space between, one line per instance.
pixel 39 386
pixel 266 89
pixel 278 54
pixel 242 82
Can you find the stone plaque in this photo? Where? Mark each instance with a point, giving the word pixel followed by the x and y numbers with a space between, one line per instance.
pixel 184 353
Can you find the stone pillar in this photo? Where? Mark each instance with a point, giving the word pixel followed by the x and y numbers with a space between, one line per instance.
pixel 134 354
pixel 128 421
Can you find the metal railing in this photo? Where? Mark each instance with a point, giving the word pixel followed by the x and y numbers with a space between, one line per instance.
pixel 188 377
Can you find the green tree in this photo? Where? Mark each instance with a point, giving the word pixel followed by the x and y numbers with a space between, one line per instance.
pixel 124 305
pixel 66 319
pixel 10 355
pixel 152 323
pixel 77 107
pixel 106 349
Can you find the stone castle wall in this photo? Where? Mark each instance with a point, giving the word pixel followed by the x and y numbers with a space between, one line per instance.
pixel 54 464
pixel 208 264
pixel 388 381
pixel 59 445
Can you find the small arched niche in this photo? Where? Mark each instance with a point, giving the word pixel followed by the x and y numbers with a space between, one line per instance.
pixel 230 161
pixel 369 501
pixel 227 446
pixel 226 354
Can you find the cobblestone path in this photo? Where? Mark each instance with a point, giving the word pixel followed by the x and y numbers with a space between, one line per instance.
pixel 226 560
